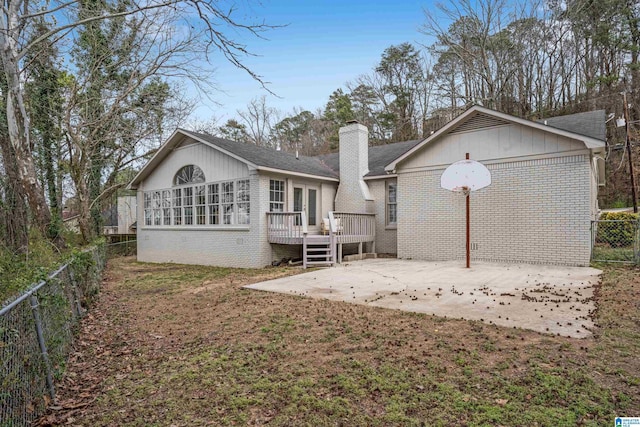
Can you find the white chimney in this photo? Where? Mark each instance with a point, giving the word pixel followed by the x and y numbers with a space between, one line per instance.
pixel 353 192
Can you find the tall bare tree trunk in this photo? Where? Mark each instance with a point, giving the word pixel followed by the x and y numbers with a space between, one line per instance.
pixel 14 210
pixel 17 127
pixel 27 176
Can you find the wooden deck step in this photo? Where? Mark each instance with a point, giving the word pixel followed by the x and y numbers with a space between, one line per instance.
pixel 318 240
pixel 318 251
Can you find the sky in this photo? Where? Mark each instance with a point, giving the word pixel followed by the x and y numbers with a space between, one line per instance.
pixel 324 44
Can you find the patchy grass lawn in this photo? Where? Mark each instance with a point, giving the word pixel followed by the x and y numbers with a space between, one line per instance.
pixel 184 345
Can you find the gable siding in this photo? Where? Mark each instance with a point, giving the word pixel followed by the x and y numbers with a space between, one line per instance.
pixel 501 142
pixel 216 166
pixel 535 211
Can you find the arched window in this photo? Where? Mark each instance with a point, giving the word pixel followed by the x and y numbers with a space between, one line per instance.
pixel 190 174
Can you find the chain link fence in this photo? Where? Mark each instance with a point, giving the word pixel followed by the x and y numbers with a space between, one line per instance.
pixel 122 247
pixel 615 241
pixel 36 333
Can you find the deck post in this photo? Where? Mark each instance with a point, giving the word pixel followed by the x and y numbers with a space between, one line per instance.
pixel 305 231
pixel 340 253
pixel 304 250
pixel 360 250
pixel 334 249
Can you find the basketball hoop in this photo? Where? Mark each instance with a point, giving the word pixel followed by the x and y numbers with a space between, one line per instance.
pixel 465 176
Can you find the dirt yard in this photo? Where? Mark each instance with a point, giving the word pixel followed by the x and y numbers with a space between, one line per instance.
pixel 182 345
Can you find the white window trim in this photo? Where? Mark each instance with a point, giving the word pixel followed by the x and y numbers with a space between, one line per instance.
pixel 283 191
pixel 390 225
pixel 194 226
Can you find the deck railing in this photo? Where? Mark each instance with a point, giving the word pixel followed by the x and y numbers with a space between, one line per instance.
pixel 284 226
pixel 354 224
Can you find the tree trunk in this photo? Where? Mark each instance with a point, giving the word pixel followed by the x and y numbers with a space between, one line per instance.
pixel 18 129
pixel 84 208
pixel 14 210
pixel 27 176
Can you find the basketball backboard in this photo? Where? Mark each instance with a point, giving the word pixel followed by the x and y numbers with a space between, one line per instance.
pixel 465 175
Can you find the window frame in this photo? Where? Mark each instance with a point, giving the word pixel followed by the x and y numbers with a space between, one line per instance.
pixel 389 205
pixel 193 172
pixel 200 205
pixel 243 201
pixel 273 191
pixel 213 203
pixel 147 201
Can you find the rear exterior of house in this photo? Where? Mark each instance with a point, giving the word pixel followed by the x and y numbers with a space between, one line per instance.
pixel 538 208
pixel 203 205
pixel 209 201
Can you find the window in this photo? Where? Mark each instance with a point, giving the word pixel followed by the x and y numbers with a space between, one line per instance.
pixel 201 217
pixel 312 206
pixel 190 174
pixel 187 203
pixel 227 203
pixel 276 195
pixel 214 204
pixel 157 213
pixel 147 208
pixel 243 201
pixel 298 205
pixel 219 203
pixel 177 206
pixel 392 203
pixel 166 207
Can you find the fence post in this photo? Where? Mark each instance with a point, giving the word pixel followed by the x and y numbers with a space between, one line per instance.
pixel 43 346
pixel 76 292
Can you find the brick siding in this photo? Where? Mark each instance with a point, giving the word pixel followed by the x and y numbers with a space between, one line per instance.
pixel 535 211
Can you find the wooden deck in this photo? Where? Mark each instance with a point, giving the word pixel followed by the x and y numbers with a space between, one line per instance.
pixel 290 228
pixel 298 240
pixel 319 238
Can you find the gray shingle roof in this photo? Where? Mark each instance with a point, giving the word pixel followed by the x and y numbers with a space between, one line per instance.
pixel 270 158
pixel 379 156
pixel 327 165
pixel 591 124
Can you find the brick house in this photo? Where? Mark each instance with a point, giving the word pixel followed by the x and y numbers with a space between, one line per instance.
pixel 205 200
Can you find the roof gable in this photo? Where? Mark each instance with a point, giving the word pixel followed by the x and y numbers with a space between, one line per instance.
pixel 269 158
pixel 477 117
pixel 254 157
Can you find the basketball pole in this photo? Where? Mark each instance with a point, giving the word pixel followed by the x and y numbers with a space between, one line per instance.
pixel 468 225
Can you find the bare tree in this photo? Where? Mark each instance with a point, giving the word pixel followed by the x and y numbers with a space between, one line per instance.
pixel 210 26
pixel 208 126
pixel 259 120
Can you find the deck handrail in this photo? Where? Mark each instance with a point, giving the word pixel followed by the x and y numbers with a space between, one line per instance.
pixel 286 225
pixel 353 213
pixel 353 224
pixel 333 224
pixel 349 227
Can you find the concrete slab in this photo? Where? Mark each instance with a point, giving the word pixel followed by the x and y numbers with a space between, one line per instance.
pixel 548 299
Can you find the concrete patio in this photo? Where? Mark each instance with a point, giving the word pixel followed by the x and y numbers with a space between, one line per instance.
pixel 548 299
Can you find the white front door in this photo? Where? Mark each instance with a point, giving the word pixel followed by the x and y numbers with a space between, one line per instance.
pixel 306 198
